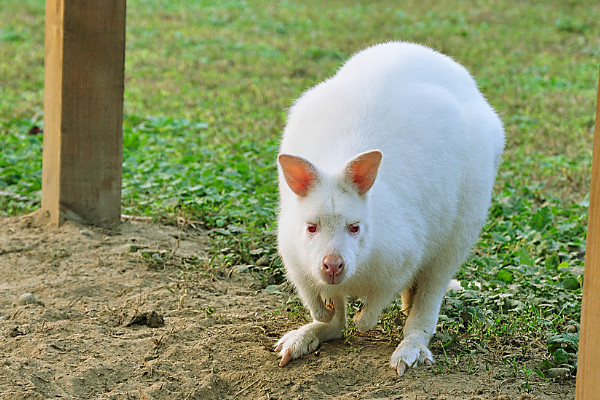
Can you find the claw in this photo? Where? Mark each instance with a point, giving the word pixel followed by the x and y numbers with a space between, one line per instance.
pixel 287 357
pixel 401 369
pixel 428 362
pixel 329 305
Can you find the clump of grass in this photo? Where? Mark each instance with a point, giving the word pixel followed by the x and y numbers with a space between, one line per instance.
pixel 20 170
pixel 234 192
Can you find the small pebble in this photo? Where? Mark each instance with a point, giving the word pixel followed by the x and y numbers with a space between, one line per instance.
pixel 85 232
pixel 151 319
pixel 27 298
pixel 571 328
pixel 557 372
pixel 14 332
pixel 264 260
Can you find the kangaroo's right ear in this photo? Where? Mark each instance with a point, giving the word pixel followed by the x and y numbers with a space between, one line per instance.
pixel 362 170
pixel 299 173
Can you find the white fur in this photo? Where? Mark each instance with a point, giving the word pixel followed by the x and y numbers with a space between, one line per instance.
pixel 441 144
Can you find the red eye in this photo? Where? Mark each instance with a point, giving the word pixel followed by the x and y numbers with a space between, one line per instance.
pixel 311 228
pixel 354 228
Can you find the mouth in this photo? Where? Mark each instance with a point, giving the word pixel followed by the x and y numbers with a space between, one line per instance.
pixel 332 280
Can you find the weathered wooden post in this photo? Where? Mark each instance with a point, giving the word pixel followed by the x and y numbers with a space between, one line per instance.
pixel 588 372
pixel 83 110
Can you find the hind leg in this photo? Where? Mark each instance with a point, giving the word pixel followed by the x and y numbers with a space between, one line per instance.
pixel 375 302
pixel 407 298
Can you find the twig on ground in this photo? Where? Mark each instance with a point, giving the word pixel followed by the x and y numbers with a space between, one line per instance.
pixel 247 387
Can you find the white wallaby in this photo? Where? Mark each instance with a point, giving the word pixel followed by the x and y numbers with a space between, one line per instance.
pixel 386 174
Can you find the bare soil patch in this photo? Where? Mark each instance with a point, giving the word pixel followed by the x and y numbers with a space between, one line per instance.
pixel 80 340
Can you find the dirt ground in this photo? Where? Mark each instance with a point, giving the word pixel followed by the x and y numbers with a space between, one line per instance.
pixel 75 340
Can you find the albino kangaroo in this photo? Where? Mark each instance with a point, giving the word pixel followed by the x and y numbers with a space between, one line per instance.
pixel 385 178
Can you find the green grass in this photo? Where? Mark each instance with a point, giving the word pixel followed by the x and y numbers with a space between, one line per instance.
pixel 207 88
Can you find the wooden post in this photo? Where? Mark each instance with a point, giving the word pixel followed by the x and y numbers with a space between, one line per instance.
pixel 83 110
pixel 588 372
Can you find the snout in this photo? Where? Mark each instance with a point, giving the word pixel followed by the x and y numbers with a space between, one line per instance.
pixel 332 268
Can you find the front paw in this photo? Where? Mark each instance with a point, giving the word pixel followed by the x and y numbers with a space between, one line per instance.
pixel 411 352
pixel 295 344
pixel 323 312
pixel 365 320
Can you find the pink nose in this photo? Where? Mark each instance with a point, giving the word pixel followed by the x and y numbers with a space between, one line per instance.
pixel 333 266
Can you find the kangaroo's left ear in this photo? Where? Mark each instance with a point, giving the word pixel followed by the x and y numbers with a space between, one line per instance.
pixel 299 173
pixel 362 170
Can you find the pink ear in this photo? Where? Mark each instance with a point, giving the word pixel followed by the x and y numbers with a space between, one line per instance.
pixel 362 170
pixel 299 173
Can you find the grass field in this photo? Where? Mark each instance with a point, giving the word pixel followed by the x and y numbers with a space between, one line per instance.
pixel 207 88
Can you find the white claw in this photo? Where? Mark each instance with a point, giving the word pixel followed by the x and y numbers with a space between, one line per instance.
pixel 401 369
pixel 297 343
pixel 411 352
pixel 287 357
